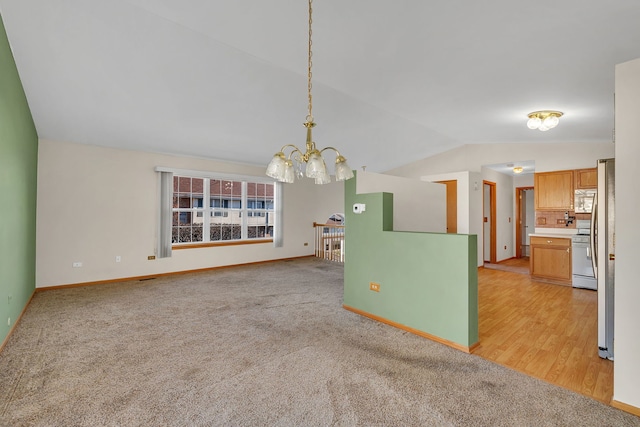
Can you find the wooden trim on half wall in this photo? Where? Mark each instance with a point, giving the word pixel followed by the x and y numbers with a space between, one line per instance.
pixel 413 331
pixel 626 407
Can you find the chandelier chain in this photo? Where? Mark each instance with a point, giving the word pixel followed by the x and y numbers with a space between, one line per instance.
pixel 285 168
pixel 310 63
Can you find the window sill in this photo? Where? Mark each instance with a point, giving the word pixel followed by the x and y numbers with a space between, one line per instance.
pixel 224 243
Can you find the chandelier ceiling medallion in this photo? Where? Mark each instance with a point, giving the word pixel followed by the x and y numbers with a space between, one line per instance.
pixel 282 168
pixel 544 120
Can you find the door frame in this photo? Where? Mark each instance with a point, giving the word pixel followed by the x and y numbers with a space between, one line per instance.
pixel 452 204
pixel 492 222
pixel 518 222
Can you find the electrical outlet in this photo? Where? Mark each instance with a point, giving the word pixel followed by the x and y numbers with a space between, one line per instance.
pixel 374 286
pixel 9 321
pixel 306 243
pixel 76 264
pixel 118 258
pixel 151 257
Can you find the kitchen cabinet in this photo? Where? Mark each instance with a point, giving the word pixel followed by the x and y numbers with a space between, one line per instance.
pixel 554 190
pixel 550 259
pixel 586 178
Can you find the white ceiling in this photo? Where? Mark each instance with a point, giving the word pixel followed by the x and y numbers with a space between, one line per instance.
pixel 528 167
pixel 394 81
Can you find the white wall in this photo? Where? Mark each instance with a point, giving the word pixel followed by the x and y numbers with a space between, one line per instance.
pixel 627 289
pixel 530 215
pixel 505 225
pixel 563 156
pixel 327 199
pixel 470 159
pixel 525 180
pixel 470 207
pixel 417 205
pixel 474 215
pixel 95 203
pixel 469 202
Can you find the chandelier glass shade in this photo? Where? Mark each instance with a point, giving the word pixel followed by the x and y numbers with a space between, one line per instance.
pixel 286 168
pixel 544 120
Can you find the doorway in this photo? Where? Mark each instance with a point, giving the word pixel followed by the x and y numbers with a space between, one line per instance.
pixel 525 220
pixel 489 221
pixel 452 205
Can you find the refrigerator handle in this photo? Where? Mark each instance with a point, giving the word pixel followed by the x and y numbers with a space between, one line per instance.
pixel 594 236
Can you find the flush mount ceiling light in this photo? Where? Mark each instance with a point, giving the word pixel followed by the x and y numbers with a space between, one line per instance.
pixel 282 168
pixel 518 169
pixel 544 120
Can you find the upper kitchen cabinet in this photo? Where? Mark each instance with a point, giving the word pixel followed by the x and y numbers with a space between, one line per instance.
pixel 586 178
pixel 554 190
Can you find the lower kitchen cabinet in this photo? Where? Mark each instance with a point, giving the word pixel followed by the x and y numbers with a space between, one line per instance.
pixel 550 259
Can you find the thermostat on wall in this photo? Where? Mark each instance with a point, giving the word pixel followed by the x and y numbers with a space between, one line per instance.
pixel 359 208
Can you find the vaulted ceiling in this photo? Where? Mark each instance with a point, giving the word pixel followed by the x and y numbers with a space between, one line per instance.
pixel 393 81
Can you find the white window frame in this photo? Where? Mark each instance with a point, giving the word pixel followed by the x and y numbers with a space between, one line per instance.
pixel 208 210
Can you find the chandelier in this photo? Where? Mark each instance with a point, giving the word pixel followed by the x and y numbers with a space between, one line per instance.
pixel 544 120
pixel 285 168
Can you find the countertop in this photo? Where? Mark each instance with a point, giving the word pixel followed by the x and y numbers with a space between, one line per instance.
pixel 553 235
pixel 554 232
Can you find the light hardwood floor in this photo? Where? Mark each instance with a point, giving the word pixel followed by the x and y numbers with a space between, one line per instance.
pixel 546 331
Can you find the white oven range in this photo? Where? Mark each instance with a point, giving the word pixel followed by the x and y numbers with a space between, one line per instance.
pixel 583 276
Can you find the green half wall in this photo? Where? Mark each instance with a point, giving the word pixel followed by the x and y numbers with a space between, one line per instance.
pixel 428 281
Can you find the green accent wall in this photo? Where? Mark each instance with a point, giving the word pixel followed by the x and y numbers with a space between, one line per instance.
pixel 18 173
pixel 428 281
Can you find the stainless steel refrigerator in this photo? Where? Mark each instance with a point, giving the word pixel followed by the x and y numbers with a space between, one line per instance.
pixel 603 240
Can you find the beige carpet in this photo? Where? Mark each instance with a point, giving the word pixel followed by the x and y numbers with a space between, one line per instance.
pixel 254 346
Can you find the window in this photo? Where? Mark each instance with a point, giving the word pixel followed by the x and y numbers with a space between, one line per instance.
pixel 236 210
pixel 188 218
pixel 260 209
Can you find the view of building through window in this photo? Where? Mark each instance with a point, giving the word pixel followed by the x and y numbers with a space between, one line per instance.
pixel 235 210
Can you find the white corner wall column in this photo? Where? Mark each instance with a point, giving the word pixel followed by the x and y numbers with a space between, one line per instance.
pixel 626 367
